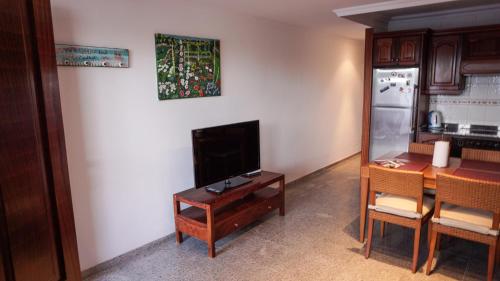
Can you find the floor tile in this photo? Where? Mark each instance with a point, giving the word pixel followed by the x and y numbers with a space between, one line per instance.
pixel 316 240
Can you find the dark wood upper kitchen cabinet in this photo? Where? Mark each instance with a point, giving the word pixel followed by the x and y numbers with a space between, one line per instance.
pixel 37 232
pixel 383 51
pixel 397 51
pixel 482 45
pixel 409 50
pixel 481 52
pixel 443 76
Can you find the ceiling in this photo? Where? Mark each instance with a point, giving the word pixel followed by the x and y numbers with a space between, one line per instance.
pixel 319 13
pixel 301 12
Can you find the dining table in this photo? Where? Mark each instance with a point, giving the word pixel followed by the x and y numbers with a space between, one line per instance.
pixel 489 171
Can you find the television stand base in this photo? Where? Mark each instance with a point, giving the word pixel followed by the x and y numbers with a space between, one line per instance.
pixel 214 216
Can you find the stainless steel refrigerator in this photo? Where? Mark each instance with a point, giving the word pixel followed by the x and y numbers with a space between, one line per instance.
pixel 394 94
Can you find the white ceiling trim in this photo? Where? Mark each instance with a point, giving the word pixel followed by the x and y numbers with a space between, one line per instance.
pixel 385 6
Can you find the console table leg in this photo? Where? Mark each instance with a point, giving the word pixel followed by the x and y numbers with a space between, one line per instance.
pixel 178 237
pixel 282 194
pixel 210 232
pixel 177 211
pixel 211 250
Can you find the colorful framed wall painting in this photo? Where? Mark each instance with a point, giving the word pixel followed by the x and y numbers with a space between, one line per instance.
pixel 187 67
pixel 74 55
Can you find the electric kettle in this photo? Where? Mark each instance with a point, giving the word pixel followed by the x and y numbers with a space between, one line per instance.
pixel 435 120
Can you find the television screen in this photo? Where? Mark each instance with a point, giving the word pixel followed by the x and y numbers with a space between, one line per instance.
pixel 225 151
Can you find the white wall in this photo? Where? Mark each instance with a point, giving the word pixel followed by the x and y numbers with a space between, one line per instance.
pixel 128 152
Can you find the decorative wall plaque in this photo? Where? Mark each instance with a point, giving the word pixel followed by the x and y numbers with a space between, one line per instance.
pixel 74 55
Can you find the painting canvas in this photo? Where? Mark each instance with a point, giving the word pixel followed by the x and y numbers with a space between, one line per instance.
pixel 187 67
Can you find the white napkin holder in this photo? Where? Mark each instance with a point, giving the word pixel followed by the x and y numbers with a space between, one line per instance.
pixel 441 154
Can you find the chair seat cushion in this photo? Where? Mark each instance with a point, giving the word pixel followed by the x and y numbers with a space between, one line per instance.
pixel 401 205
pixel 466 218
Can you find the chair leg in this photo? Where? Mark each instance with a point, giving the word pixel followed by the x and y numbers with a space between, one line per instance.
pixel 370 235
pixel 382 229
pixel 438 241
pixel 429 233
pixel 491 261
pixel 498 254
pixel 432 248
pixel 416 247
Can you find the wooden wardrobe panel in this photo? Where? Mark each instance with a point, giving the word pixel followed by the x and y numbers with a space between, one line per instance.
pixel 2 272
pixel 34 189
pixel 42 17
pixel 4 243
pixel 25 191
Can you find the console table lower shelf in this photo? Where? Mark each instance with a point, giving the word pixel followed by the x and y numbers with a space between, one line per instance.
pixel 213 216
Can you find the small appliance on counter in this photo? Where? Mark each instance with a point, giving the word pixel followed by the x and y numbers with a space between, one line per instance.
pixel 435 121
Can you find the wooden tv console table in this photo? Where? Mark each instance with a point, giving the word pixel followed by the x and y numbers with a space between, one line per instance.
pixel 213 216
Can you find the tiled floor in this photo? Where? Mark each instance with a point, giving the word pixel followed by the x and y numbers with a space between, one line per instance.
pixel 316 240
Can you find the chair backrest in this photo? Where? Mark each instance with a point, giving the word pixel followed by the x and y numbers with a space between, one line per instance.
pixel 481 155
pixel 397 182
pixel 469 193
pixel 421 148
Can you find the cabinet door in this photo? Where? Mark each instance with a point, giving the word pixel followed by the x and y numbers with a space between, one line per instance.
pixel 383 52
pixel 430 138
pixel 444 65
pixel 483 45
pixel 409 50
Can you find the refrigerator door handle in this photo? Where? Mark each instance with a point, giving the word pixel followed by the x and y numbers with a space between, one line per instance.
pixel 414 112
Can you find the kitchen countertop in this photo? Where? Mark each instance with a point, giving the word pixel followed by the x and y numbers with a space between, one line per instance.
pixel 465 133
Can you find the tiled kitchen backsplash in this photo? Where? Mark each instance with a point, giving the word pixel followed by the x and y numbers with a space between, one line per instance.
pixel 479 103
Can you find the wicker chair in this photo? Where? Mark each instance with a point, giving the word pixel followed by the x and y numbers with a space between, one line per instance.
pixel 481 155
pixel 425 149
pixel 467 209
pixel 421 148
pixel 401 202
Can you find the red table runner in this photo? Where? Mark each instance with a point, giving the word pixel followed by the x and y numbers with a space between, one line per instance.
pixel 481 165
pixel 477 174
pixel 414 166
pixel 412 162
pixel 414 157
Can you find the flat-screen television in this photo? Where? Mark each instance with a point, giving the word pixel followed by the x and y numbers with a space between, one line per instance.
pixel 224 152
